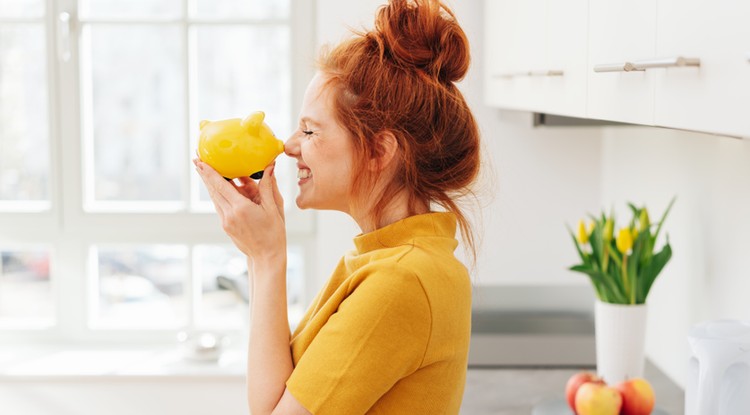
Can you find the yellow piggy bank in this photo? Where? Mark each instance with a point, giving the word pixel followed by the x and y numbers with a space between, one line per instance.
pixel 237 147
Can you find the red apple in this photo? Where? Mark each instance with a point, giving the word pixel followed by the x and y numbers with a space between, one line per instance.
pixel 575 382
pixel 598 399
pixel 637 397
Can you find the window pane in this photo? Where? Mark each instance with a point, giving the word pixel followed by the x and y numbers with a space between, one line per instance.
pixel 222 271
pixel 240 70
pixel 26 299
pixel 130 8
pixel 21 8
pixel 24 131
pixel 254 9
pixel 138 112
pixel 140 287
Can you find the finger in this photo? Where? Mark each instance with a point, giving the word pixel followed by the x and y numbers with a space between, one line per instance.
pixel 269 188
pixel 277 195
pixel 211 178
pixel 266 190
pixel 211 194
pixel 228 194
pixel 248 188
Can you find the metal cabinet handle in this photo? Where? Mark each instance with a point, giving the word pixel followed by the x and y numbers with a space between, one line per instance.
pixel 672 62
pixel 529 73
pixel 616 67
pixel 63 36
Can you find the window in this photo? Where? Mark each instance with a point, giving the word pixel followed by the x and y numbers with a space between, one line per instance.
pixel 105 230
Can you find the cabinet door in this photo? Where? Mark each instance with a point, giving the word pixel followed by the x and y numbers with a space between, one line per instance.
pixel 514 46
pixel 714 97
pixel 567 30
pixel 619 32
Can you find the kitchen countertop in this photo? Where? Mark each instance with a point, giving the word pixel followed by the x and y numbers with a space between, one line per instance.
pixel 516 391
pixel 496 390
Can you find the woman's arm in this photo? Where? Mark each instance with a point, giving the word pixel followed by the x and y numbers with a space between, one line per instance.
pixel 269 359
pixel 253 216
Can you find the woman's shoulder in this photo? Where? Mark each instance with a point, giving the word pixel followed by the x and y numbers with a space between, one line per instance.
pixel 414 269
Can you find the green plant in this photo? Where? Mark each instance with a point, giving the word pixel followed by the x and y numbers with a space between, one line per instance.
pixel 622 268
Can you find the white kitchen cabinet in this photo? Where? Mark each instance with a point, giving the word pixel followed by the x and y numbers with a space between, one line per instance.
pixel 567 31
pixel 716 96
pixel 517 36
pixel 619 33
pixel 534 57
pixel 681 64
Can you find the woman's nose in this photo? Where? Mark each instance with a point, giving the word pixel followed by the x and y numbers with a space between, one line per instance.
pixel 291 147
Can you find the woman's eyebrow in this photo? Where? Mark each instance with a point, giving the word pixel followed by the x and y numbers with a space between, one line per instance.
pixel 308 120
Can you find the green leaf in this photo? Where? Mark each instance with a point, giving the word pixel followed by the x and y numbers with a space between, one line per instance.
pixel 632 270
pixel 594 276
pixel 634 209
pixel 613 284
pixel 663 217
pixel 647 247
pixel 595 240
pixel 652 270
pixel 615 254
pixel 641 257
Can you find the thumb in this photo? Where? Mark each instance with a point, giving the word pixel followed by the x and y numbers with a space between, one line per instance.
pixel 278 200
pixel 266 187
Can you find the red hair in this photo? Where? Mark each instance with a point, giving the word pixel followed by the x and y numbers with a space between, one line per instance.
pixel 400 78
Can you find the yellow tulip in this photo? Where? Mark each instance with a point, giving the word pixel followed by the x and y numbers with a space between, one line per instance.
pixel 608 230
pixel 644 220
pixel 624 240
pixel 583 236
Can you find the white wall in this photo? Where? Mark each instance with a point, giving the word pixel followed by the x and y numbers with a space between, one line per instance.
pixel 709 274
pixel 536 179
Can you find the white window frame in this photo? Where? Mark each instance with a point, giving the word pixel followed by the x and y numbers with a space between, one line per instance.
pixel 70 230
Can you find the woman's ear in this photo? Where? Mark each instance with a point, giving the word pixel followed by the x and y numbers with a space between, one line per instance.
pixel 385 151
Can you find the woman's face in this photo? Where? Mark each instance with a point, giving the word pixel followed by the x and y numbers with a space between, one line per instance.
pixel 324 151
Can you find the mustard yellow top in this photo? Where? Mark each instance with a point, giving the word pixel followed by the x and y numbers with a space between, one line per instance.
pixel 389 333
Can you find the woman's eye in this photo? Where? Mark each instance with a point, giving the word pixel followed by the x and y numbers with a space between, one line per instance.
pixel 306 132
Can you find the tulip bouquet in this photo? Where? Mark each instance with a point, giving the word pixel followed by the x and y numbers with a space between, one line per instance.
pixel 622 268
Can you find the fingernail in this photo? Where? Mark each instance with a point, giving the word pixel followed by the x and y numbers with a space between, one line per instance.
pixel 273 167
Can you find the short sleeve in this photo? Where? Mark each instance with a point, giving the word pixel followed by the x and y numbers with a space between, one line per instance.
pixel 378 335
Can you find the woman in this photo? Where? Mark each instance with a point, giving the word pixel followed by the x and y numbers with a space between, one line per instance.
pixel 384 136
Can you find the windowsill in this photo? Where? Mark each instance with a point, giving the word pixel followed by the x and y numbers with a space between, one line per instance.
pixel 49 364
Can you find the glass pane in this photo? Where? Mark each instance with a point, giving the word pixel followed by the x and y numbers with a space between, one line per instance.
pixel 222 271
pixel 24 130
pixel 253 9
pixel 141 287
pixel 138 112
pixel 130 8
pixel 21 8
pixel 26 299
pixel 240 70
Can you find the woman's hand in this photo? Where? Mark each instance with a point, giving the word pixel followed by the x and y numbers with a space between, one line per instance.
pixel 251 214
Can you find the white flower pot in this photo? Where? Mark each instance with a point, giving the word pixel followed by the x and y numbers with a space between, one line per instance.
pixel 620 341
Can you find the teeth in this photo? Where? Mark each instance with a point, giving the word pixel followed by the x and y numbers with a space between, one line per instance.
pixel 304 174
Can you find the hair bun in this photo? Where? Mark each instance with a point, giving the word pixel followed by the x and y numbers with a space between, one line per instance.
pixel 425 35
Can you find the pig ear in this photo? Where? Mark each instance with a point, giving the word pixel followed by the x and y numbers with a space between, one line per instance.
pixel 203 123
pixel 253 122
